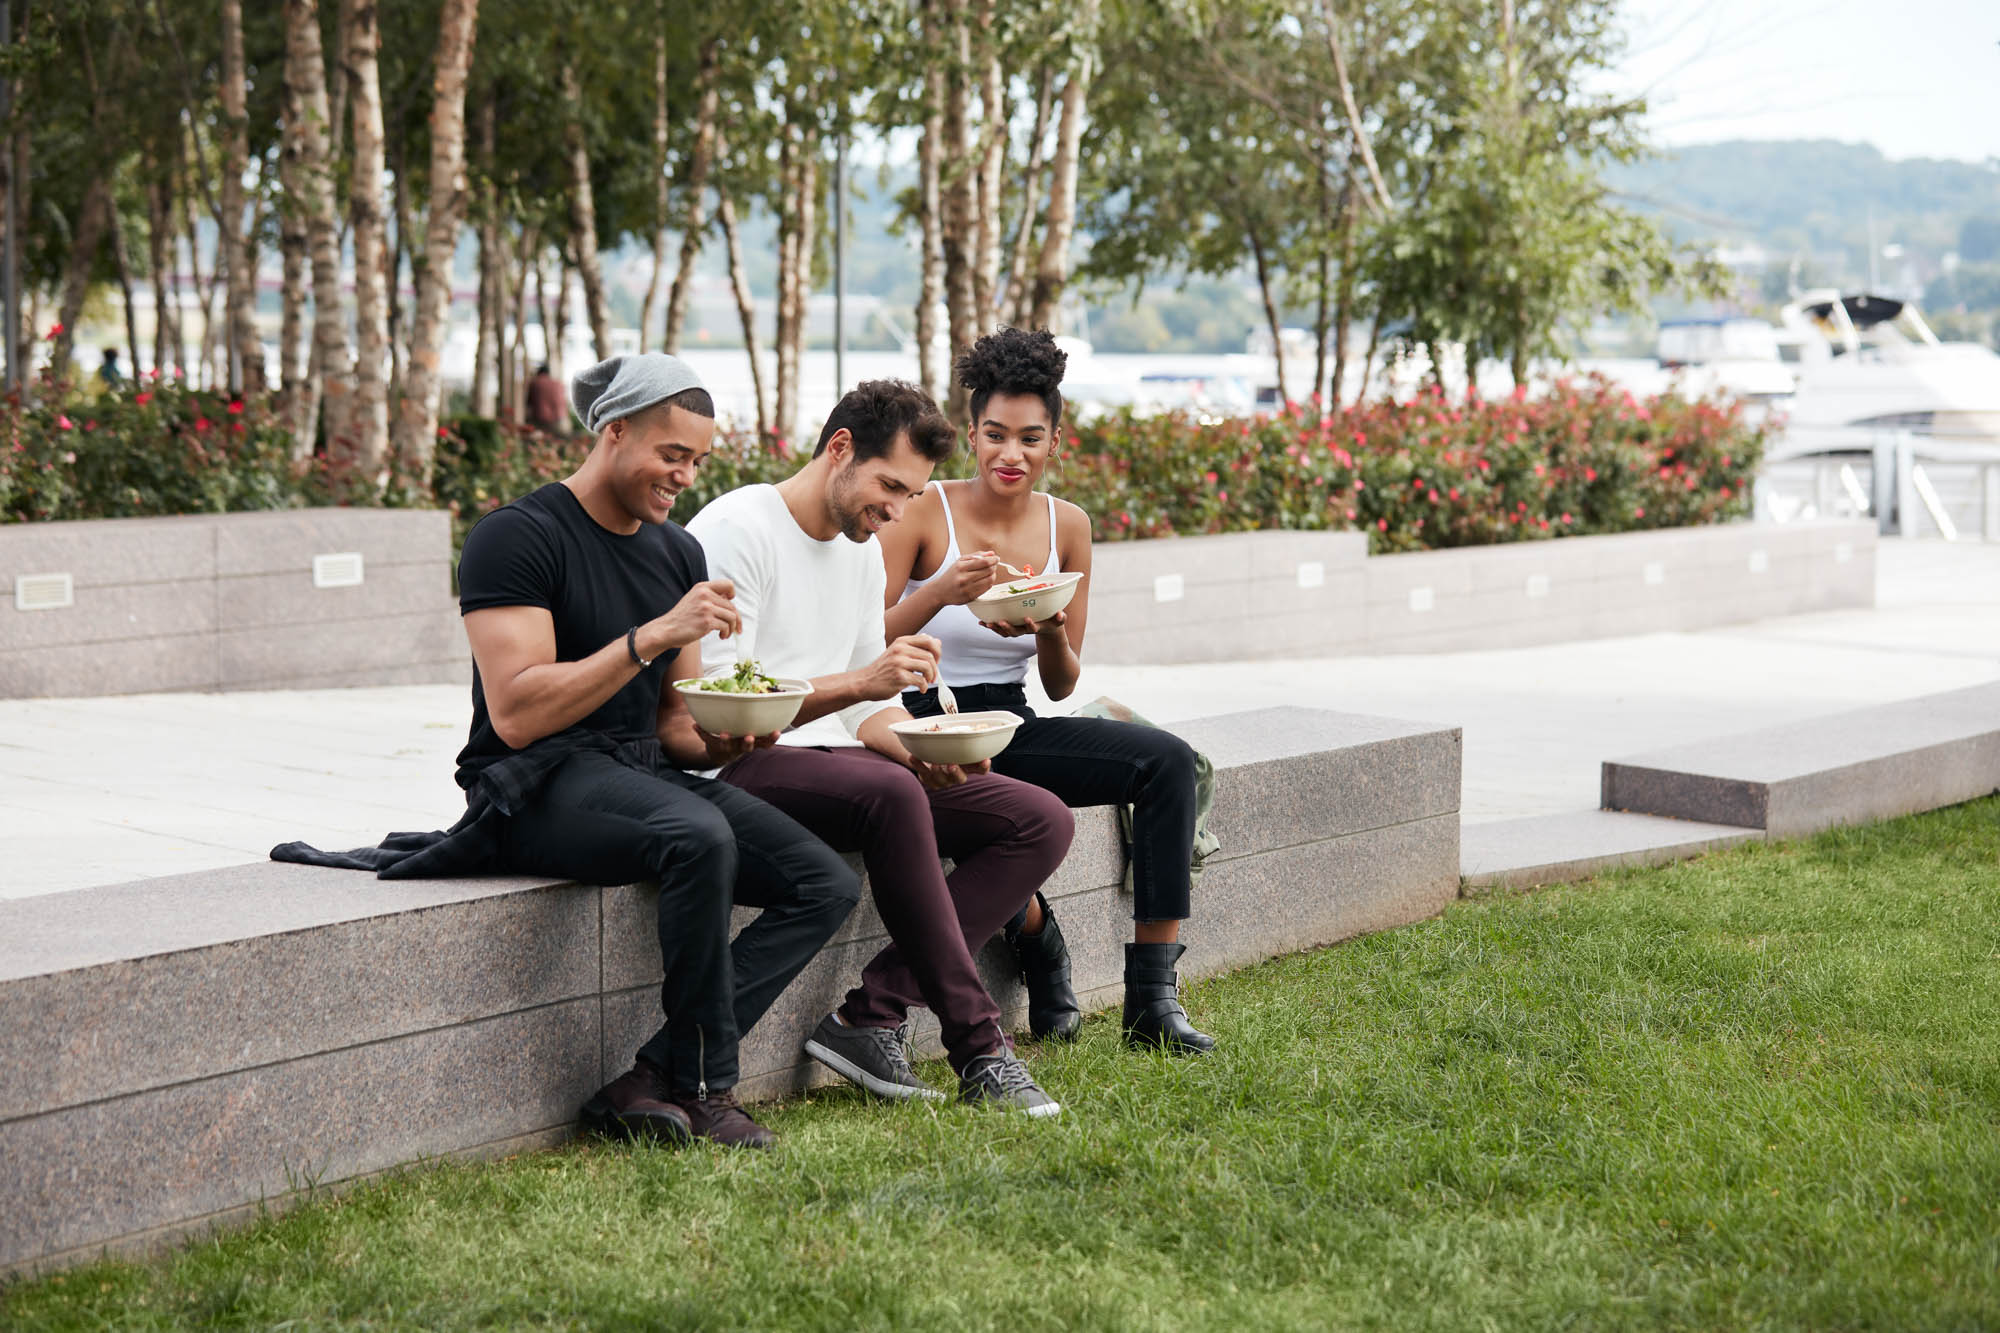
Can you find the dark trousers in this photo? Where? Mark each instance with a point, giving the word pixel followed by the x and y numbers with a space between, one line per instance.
pixel 709 845
pixel 1095 761
pixel 1005 838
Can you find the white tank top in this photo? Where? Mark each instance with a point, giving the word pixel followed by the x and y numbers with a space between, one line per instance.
pixel 974 654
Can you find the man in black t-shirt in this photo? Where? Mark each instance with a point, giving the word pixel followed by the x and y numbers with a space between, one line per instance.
pixel 583 602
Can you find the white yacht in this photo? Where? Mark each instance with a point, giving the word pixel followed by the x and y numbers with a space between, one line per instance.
pixel 1738 356
pixel 1869 363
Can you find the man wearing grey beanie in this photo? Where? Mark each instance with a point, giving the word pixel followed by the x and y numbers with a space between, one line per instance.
pixel 583 603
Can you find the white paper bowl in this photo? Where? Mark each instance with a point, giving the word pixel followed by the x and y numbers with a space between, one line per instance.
pixel 744 714
pixel 995 729
pixel 1013 608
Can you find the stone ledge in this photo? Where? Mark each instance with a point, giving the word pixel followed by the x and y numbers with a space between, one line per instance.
pixel 1868 764
pixel 271 1023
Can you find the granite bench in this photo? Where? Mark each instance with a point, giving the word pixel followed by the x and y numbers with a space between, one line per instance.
pixel 178 1051
pixel 1801 777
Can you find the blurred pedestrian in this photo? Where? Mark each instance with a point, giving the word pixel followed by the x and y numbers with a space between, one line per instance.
pixel 548 405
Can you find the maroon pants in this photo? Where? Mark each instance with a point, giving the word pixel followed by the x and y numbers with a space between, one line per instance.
pixel 1005 838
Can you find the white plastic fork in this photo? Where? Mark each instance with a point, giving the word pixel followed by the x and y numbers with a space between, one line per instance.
pixel 946 700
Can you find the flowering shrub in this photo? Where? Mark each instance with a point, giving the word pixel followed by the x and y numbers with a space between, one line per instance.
pixel 1584 458
pixel 145 449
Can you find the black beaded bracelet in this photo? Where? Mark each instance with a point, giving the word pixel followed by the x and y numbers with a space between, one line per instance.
pixel 632 647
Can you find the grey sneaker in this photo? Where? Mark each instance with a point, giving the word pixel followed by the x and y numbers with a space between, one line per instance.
pixel 1002 1080
pixel 869 1058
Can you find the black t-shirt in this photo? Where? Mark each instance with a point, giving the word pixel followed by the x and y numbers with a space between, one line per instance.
pixel 545 550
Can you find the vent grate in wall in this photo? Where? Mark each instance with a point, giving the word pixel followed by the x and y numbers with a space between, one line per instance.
pixel 339 570
pixel 44 592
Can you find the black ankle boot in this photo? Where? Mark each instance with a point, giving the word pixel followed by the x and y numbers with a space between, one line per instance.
pixel 1053 1013
pixel 1154 1018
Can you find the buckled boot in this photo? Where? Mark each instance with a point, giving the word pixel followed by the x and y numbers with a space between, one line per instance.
pixel 1154 1018
pixel 1053 1012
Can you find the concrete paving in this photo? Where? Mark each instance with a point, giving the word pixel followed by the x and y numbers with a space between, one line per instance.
pixel 99 791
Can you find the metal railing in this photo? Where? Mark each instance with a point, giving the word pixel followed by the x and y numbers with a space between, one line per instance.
pixel 1913 484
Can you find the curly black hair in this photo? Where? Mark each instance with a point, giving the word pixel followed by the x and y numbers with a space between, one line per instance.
pixel 1014 361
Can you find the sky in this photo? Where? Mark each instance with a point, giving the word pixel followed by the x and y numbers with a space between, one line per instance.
pixel 1916 78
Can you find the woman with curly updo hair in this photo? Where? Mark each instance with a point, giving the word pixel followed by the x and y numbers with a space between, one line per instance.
pixel 944 553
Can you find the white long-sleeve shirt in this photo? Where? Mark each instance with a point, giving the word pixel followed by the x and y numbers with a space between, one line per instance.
pixel 809 607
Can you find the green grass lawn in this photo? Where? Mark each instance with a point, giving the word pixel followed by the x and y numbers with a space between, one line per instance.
pixel 1759 1090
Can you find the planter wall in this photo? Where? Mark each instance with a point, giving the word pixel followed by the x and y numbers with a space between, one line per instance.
pixel 229 602
pixel 1251 595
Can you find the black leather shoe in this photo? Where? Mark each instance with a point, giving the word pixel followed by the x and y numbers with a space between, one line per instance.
pixel 634 1106
pixel 1053 1012
pixel 1154 1019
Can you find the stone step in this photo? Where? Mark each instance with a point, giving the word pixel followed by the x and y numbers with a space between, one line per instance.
pixel 1849 768
pixel 1557 849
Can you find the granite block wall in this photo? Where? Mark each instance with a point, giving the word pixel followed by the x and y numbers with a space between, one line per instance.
pixel 1255 595
pixel 229 601
pixel 177 1050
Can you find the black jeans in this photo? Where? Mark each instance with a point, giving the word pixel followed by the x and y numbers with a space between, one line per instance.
pixel 1095 761
pixel 709 845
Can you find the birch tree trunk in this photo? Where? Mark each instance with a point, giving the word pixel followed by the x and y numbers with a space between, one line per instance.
pixel 960 198
pixel 1014 306
pixel 488 354
pixel 343 33
pixel 514 368
pixel 204 289
pixel 367 435
pixel 1052 269
pixel 654 279
pixel 746 309
pixel 20 151
pixel 330 368
pixel 1270 312
pixel 992 165
pixel 417 412
pixel 694 224
pixel 246 347
pixel 294 358
pixel 546 313
pixel 583 214
pixel 392 259
pixel 1343 301
pixel 489 360
pixel 930 291
pixel 122 258
pixel 1323 284
pixel 784 411
pixel 84 240
pixel 167 349
pixel 563 306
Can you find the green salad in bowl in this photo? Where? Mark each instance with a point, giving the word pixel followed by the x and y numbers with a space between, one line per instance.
pixel 747 678
pixel 744 701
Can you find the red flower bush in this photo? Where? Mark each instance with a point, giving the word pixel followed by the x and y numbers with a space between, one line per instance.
pixel 1583 458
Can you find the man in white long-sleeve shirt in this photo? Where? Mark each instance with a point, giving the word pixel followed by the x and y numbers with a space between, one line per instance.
pixel 809 581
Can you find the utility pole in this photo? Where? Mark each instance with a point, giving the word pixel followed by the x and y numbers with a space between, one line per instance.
pixel 839 263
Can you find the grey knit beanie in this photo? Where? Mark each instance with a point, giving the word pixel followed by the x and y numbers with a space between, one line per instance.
pixel 625 385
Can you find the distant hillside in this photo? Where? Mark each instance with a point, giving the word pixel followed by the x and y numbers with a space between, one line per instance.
pixel 1811 196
